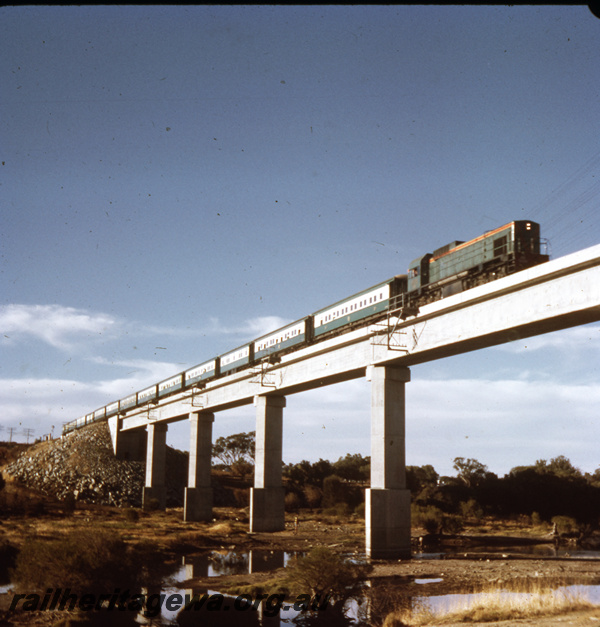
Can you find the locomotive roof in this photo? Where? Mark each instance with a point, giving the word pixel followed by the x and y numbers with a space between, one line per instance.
pixel 477 239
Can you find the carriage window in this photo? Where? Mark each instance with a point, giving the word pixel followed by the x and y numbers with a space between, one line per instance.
pixel 500 246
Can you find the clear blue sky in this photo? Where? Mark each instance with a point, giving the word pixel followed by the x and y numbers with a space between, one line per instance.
pixel 177 180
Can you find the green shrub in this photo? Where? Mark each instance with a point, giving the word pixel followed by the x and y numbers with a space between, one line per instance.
pixel 312 495
pixel 292 502
pixel 339 510
pixel 429 517
pixel 323 572
pixel 471 509
pixel 451 524
pixel 242 468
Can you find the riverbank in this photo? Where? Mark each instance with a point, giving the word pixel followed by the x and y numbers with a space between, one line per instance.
pixel 506 566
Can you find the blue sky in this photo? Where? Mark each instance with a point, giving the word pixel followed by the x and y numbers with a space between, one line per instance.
pixel 176 181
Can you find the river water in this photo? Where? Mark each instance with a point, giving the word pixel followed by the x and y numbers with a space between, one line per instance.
pixel 218 610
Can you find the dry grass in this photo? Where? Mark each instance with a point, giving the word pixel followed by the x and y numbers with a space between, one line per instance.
pixel 221 528
pixel 525 601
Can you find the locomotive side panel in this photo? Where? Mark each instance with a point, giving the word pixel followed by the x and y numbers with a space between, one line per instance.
pixel 465 257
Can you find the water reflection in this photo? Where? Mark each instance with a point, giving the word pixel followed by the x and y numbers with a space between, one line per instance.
pixel 219 563
pixel 379 600
pixel 228 563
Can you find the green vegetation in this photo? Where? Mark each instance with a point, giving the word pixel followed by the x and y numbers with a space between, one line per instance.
pixel 325 573
pixel 336 487
pixel 541 492
pixel 236 452
pixel 546 491
pixel 324 577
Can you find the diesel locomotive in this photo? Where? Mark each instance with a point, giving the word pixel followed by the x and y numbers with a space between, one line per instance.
pixel 454 268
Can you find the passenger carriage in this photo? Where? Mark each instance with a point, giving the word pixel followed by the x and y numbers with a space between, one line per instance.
pixel 282 339
pixel 201 372
pixel 238 358
pixel 365 304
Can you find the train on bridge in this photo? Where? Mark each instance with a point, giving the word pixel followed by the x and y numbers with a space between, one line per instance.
pixel 454 268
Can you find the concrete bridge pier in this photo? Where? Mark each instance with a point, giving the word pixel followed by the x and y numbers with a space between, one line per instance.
pixel 267 497
pixel 156 453
pixel 387 503
pixel 198 500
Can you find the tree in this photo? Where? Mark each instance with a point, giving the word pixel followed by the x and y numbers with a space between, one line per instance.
pixel 333 491
pixel 304 473
pixel 233 449
pixel 420 477
pixel 470 471
pixel 594 479
pixel 353 467
pixel 559 466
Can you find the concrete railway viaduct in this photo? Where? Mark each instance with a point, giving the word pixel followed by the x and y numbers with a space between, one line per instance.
pixel 561 293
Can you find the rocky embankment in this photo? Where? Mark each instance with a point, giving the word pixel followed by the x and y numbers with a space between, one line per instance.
pixel 83 464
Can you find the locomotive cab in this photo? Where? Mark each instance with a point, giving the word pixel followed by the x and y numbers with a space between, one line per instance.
pixel 527 244
pixel 418 273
